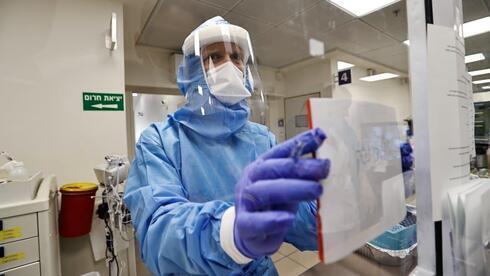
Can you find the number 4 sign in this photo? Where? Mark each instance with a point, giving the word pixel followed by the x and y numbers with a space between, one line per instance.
pixel 345 77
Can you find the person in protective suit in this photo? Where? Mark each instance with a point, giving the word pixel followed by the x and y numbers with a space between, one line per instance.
pixel 209 191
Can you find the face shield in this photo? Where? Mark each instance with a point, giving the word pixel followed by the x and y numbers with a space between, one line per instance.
pixel 219 73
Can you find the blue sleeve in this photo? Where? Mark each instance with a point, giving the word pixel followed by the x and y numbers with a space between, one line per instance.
pixel 176 236
pixel 303 233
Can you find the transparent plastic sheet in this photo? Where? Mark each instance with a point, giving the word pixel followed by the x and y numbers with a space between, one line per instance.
pixel 409 181
pixel 485 218
pixel 467 212
pixel 364 194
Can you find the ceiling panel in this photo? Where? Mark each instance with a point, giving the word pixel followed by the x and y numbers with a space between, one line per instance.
pixel 254 27
pixel 376 36
pixel 478 44
pixel 174 20
pixel 225 4
pixel 280 47
pixel 395 56
pixel 273 11
pixel 167 37
pixel 391 20
pixel 358 37
pixel 319 19
pixel 475 9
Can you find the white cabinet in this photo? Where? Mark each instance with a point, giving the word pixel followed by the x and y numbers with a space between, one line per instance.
pixel 18 228
pixel 19 253
pixel 29 241
pixel 25 270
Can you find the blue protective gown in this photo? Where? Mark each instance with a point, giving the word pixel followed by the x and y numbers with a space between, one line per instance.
pixel 183 179
pixel 178 188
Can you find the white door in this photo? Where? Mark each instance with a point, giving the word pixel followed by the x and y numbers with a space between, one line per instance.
pixel 295 113
pixel 151 108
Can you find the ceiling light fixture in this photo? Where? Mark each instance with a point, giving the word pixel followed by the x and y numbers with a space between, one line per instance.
pixel 360 8
pixel 406 42
pixel 476 27
pixel 343 65
pixel 479 72
pixel 481 81
pixel 485 87
pixel 378 77
pixel 474 58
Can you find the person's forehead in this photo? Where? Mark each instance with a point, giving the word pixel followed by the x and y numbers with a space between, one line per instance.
pixel 222 46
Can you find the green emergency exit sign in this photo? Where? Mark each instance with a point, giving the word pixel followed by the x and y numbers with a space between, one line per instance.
pixel 102 101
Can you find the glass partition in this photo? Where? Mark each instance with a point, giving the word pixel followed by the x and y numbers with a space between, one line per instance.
pixel 342 50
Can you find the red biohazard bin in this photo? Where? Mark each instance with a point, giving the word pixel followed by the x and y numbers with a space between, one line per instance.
pixel 77 208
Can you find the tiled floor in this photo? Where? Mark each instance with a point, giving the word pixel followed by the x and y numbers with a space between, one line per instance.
pixel 289 261
pixel 356 265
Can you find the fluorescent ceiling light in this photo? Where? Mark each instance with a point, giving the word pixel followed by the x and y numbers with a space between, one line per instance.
pixel 481 81
pixel 476 27
pixel 317 48
pixel 135 94
pixel 474 58
pixel 379 77
pixel 479 72
pixel 406 42
pixel 344 65
pixel 360 8
pixel 485 87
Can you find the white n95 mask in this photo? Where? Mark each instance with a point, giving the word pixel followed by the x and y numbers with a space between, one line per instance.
pixel 226 83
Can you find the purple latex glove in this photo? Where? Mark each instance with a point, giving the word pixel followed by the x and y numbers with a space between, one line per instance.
pixel 269 192
pixel 407 158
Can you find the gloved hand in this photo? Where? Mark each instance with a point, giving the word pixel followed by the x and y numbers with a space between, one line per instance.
pixel 407 158
pixel 269 192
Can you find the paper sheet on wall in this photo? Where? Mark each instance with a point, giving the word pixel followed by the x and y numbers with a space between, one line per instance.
pixel 451 116
pixel 364 193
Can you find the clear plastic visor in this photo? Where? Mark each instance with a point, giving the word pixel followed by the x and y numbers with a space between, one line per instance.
pixel 222 72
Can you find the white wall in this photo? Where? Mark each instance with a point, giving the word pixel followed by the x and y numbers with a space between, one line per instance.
pixel 273 85
pixel 392 92
pixel 299 79
pixel 276 112
pixel 302 78
pixel 308 78
pixel 317 76
pixel 149 67
pixel 50 52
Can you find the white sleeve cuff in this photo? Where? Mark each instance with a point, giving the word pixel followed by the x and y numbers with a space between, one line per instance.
pixel 226 236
